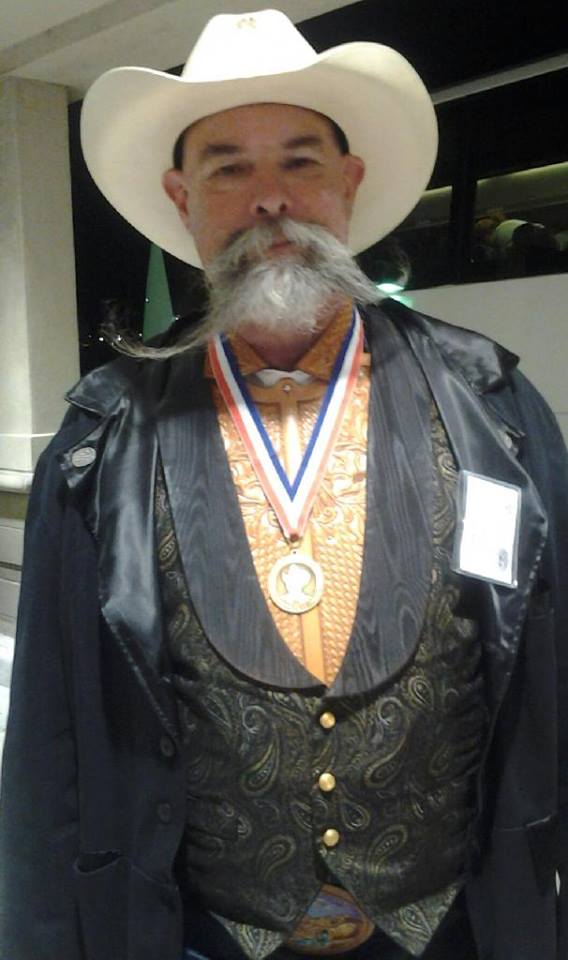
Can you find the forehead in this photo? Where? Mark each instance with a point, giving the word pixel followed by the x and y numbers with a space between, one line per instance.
pixel 272 123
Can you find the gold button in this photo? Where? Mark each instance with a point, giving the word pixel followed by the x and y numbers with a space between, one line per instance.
pixel 331 837
pixel 327 720
pixel 326 782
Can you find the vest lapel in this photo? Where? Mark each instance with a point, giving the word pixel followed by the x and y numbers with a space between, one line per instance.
pixel 212 539
pixel 397 560
pixel 397 564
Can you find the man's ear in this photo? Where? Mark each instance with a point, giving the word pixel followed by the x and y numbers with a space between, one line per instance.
pixel 353 173
pixel 173 182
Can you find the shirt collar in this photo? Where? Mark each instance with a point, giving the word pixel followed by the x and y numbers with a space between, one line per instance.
pixel 318 361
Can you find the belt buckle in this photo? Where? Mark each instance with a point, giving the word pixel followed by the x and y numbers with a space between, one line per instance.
pixel 333 925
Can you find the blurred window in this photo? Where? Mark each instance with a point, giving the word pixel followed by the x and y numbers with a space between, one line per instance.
pixel 416 254
pixel 497 204
pixel 521 223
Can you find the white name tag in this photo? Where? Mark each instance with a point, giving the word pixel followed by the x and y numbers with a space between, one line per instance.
pixel 487 530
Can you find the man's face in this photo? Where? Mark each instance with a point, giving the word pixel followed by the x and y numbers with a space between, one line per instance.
pixel 254 164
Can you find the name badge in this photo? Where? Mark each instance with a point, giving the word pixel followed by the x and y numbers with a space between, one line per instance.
pixel 488 513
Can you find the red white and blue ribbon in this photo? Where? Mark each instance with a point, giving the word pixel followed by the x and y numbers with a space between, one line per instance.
pixel 291 500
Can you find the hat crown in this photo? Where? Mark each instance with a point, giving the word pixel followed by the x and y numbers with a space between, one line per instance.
pixel 260 57
pixel 234 46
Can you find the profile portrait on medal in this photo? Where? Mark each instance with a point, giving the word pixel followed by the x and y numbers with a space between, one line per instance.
pixel 296 584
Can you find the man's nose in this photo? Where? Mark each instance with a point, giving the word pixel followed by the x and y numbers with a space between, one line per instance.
pixel 270 200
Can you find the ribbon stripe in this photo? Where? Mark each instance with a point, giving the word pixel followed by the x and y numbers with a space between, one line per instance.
pixel 291 501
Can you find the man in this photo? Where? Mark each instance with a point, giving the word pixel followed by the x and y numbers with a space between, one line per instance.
pixel 292 630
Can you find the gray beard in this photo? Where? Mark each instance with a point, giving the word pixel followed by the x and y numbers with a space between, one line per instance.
pixel 285 294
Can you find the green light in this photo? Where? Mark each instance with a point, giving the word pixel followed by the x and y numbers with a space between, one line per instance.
pixel 158 305
pixel 388 287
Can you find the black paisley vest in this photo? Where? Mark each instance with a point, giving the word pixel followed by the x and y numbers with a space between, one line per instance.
pixel 404 755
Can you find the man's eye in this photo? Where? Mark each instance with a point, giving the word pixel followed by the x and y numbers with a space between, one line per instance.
pixel 296 163
pixel 228 170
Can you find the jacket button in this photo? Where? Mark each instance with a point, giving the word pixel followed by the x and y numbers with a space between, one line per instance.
pixel 83 456
pixel 331 837
pixel 164 811
pixel 167 748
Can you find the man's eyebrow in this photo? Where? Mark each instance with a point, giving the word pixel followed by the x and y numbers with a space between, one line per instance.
pixel 231 149
pixel 308 140
pixel 218 150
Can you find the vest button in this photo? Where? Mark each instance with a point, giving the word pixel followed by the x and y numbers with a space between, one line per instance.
pixel 326 782
pixel 327 720
pixel 331 837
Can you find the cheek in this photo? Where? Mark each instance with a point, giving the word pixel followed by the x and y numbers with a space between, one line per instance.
pixel 211 220
pixel 214 212
pixel 329 207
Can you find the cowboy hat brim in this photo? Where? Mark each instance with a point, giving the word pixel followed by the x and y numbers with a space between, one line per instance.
pixel 132 116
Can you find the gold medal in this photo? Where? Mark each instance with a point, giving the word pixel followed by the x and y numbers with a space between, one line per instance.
pixel 295 583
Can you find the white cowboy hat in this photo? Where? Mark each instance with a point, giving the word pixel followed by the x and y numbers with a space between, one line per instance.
pixel 132 117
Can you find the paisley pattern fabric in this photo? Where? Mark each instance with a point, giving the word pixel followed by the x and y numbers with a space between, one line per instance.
pixel 404 757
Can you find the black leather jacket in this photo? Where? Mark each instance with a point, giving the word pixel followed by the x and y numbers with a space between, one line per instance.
pixel 92 807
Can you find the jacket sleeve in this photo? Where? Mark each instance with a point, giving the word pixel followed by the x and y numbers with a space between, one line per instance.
pixel 38 802
pixel 546 459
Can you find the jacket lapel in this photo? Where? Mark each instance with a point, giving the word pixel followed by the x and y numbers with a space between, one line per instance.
pixel 479 444
pixel 110 474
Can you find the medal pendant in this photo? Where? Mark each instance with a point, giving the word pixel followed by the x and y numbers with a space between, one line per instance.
pixel 295 583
